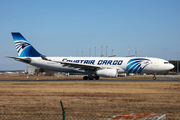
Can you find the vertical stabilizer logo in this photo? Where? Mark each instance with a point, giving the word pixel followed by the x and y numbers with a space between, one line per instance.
pixel 137 65
pixel 21 45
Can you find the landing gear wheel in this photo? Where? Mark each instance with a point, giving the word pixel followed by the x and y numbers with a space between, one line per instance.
pixel 85 77
pixel 154 77
pixel 91 78
pixel 97 77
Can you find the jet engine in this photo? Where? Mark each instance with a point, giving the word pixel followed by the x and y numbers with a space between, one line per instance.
pixel 107 73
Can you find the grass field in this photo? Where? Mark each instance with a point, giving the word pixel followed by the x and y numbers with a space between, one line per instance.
pixel 43 94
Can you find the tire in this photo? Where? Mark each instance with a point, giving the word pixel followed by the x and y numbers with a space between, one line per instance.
pixel 85 77
pixel 91 78
pixel 97 77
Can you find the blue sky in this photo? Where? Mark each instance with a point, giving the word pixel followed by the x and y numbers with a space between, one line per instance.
pixel 65 27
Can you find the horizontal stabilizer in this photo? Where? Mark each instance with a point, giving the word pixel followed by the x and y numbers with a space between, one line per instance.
pixel 25 60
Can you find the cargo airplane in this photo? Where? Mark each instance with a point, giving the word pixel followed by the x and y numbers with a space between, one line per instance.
pixel 94 67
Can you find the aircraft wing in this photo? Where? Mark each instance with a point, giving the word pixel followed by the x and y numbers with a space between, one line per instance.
pixel 25 60
pixel 82 66
pixel 75 65
pixel 87 67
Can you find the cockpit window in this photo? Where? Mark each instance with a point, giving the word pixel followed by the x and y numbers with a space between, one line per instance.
pixel 166 62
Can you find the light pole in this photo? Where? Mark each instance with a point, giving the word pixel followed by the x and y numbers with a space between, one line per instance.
pixel 82 53
pixel 95 51
pixel 106 50
pixel 89 52
pixel 177 64
pixel 101 50
pixel 112 51
pixel 77 54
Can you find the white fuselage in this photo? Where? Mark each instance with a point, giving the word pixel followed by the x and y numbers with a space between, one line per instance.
pixel 122 64
pixel 95 67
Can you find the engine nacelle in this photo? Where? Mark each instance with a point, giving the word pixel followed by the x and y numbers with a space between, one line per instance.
pixel 107 73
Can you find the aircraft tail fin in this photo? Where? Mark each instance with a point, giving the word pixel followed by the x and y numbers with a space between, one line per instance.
pixel 24 48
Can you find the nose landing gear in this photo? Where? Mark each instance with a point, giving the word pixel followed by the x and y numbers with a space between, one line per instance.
pixel 154 77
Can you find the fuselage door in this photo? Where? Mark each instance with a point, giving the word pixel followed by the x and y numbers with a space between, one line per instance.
pixel 156 63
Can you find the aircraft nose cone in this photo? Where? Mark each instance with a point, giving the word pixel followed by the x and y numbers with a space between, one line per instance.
pixel 172 66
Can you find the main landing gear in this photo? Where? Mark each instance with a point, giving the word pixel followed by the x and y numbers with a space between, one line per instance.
pixel 154 77
pixel 91 77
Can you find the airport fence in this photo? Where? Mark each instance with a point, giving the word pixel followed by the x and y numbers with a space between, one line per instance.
pixel 35 110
